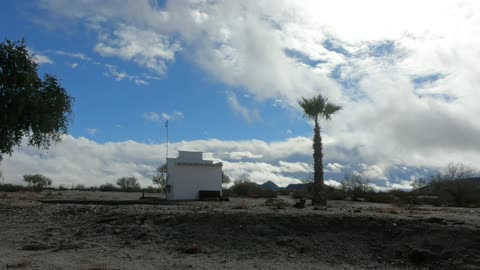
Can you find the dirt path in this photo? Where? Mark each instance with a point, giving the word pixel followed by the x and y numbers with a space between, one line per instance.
pixel 241 234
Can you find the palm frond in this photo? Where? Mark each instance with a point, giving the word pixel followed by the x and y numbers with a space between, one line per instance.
pixel 330 109
pixel 312 107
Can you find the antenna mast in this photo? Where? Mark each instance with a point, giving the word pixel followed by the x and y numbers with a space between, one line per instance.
pixel 166 155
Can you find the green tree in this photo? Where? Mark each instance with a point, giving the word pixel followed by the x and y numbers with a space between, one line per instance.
pixel 128 183
pixel 31 107
pixel 38 182
pixel 314 108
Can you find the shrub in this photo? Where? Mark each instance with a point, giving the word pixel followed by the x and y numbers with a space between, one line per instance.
pixel 108 187
pixel 128 184
pixel 263 194
pixel 12 188
pixel 244 188
pixel 37 182
pixel 335 193
pixel 356 187
pixel 62 188
pixel 301 195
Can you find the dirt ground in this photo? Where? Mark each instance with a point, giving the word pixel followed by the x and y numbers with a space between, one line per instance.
pixel 239 234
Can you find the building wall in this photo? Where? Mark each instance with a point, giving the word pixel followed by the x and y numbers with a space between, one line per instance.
pixel 189 179
pixel 187 156
pixel 185 180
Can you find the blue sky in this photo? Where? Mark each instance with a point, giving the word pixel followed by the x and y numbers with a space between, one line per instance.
pixel 227 75
pixel 115 108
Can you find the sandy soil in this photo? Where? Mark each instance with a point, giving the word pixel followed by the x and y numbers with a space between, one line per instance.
pixel 239 234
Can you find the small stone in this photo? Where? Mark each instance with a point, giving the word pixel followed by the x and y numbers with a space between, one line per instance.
pixel 193 249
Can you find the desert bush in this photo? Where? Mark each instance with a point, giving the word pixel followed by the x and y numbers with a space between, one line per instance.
pixel 335 193
pixel 263 194
pixel 244 188
pixel 284 192
pixel 62 188
pixel 381 197
pixel 128 184
pixel 12 188
pixel 453 186
pixel 226 192
pixel 37 182
pixel 356 187
pixel 108 187
pixel 301 195
pixel 226 179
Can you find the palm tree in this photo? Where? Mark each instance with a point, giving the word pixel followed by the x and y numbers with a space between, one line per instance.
pixel 314 108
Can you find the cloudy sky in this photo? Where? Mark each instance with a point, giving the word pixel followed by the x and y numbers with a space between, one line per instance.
pixel 228 74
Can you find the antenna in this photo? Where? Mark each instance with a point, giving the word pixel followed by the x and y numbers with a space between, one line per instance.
pixel 166 146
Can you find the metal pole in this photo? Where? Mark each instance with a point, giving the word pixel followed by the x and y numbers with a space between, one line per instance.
pixel 166 155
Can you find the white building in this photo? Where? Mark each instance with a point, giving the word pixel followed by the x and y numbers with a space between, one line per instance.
pixel 189 173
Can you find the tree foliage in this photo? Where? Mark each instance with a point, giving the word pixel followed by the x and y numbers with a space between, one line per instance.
pixel 39 109
pixel 38 182
pixel 453 183
pixel 225 179
pixel 159 180
pixel 314 108
pixel 128 183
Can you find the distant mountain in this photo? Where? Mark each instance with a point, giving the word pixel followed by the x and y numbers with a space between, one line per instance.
pixel 269 185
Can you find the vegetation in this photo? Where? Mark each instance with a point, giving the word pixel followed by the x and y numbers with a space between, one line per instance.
pixel 128 184
pixel 31 107
pixel 355 186
pixel 225 179
pixel 12 188
pixel 246 188
pixel 159 180
pixel 107 187
pixel 452 186
pixel 37 182
pixel 314 108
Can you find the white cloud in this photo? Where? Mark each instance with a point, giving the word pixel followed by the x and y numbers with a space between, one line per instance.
pixel 92 131
pixel 76 55
pixel 151 116
pixel 121 75
pixel 243 155
pixel 74 65
pixel 141 82
pixel 249 115
pixel 83 161
pixel 333 183
pixel 334 167
pixel 147 48
pixel 40 58
pixel 405 72
pixel 175 115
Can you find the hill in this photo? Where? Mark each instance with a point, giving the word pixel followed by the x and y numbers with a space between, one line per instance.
pixel 269 185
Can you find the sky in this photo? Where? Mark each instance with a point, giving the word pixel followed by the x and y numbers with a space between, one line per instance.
pixel 227 76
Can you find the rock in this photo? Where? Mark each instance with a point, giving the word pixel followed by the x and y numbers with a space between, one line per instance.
pixel 300 203
pixel 419 256
pixel 276 203
pixel 15 265
pixel 35 246
pixel 193 249
pixel 283 240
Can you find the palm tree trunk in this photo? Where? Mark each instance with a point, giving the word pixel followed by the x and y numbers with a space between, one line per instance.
pixel 319 197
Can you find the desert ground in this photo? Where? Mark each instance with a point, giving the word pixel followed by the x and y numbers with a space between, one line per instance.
pixel 242 233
